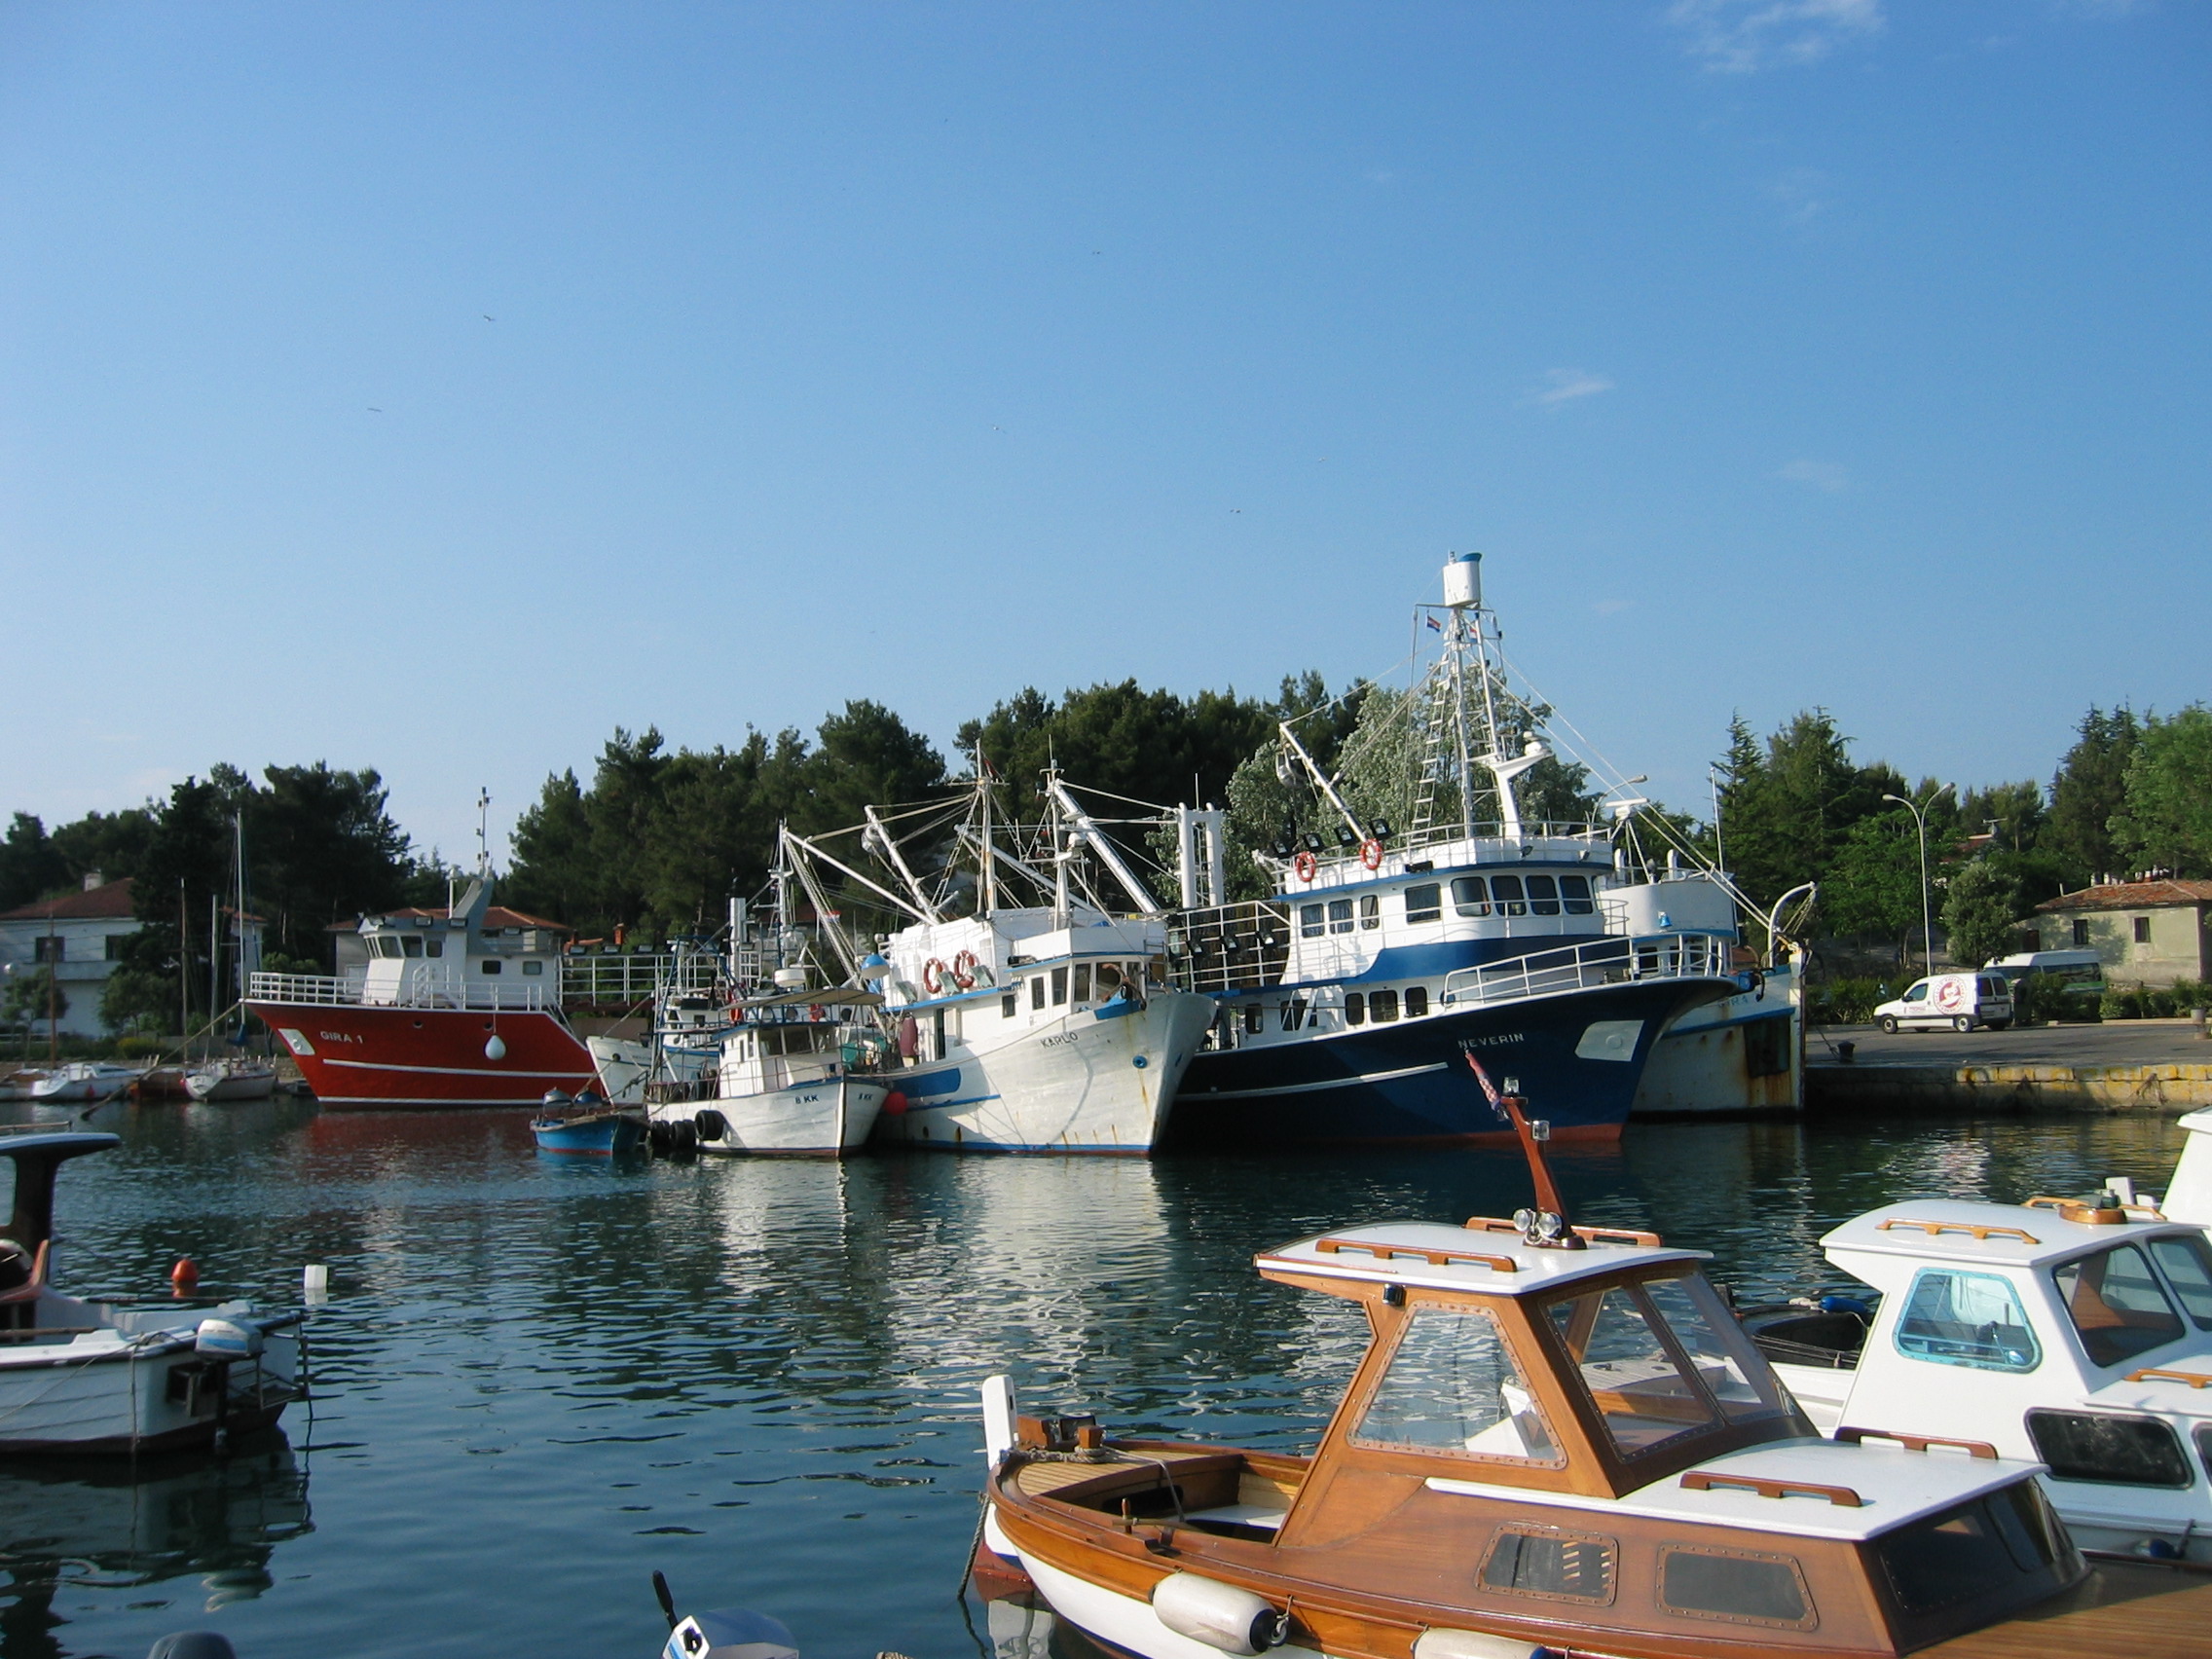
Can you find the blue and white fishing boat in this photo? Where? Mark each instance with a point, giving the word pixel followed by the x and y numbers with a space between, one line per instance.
pixel 1346 1004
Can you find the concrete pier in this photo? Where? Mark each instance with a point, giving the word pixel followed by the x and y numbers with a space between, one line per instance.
pixel 2129 1065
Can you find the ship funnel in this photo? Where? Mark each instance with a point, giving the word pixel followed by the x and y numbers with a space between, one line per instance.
pixel 1463 580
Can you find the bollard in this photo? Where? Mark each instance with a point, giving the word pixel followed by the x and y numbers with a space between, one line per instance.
pixel 2197 1015
pixel 1844 1051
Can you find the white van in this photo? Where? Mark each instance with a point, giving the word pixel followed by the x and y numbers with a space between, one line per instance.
pixel 2081 969
pixel 1961 1001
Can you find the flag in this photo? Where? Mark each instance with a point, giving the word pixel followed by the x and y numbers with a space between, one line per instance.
pixel 1489 1090
pixel 1439 627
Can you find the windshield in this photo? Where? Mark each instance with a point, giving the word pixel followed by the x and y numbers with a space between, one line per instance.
pixel 2116 1304
pixel 1661 1360
pixel 1453 1387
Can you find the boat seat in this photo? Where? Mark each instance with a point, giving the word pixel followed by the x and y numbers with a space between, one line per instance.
pixel 1265 1517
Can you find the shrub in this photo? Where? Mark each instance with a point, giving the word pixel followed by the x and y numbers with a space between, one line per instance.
pixel 2045 996
pixel 1848 1001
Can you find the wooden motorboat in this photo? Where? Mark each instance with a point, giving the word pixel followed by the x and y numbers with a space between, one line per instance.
pixel 1558 1439
pixel 87 1376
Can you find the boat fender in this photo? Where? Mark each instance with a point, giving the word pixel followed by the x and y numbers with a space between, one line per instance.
pixel 709 1125
pixel 730 1633
pixel 1218 1614
pixel 225 1339
pixel 894 1104
pixel 1477 1645
pixel 497 1048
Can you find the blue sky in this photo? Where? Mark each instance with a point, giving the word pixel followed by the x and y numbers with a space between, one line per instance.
pixel 436 386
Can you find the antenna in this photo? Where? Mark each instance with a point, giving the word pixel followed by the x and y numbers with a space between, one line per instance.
pixel 483 831
pixel 1547 1224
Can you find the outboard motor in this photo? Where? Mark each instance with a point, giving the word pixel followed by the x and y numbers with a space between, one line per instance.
pixel 728 1633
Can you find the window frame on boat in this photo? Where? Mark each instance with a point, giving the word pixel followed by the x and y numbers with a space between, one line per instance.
pixel 1424 1314
pixel 1979 1283
pixel 2098 1341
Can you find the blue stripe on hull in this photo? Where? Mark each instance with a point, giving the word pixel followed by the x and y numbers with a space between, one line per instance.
pixel 1409 1082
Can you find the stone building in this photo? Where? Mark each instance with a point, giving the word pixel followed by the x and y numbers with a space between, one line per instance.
pixel 2149 932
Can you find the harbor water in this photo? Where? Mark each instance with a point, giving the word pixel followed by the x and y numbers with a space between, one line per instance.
pixel 537 1379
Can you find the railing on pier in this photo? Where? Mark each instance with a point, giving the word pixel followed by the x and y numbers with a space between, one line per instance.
pixel 1233 947
pixel 1582 967
pixel 415 989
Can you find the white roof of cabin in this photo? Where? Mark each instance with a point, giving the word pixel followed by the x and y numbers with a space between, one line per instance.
pixel 1894 1486
pixel 2048 1237
pixel 1535 1267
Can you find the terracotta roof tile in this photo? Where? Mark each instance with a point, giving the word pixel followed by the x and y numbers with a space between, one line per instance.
pixel 109 902
pixel 495 916
pixel 2132 896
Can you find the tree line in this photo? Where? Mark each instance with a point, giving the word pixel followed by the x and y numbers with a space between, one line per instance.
pixel 658 839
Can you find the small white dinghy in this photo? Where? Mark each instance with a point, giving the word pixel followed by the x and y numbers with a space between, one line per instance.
pixel 231 1080
pixel 86 1376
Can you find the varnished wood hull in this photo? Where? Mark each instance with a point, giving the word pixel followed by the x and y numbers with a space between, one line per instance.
pixel 1370 1595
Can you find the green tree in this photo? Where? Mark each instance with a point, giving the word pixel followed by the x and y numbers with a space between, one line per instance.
pixel 135 1000
pixel 26 1000
pixel 320 848
pixel 1874 884
pixel 112 844
pixel 2165 821
pixel 1787 810
pixel 1981 912
pixel 2089 791
pixel 30 864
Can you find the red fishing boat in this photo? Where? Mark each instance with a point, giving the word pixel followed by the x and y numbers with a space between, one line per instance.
pixel 439 1009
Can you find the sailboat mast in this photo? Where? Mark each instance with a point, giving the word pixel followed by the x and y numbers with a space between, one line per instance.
pixel 990 893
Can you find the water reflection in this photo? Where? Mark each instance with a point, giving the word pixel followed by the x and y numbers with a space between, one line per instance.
pixel 759 1377
pixel 116 1526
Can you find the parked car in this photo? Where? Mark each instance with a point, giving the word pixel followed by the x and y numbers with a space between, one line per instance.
pixel 1961 1001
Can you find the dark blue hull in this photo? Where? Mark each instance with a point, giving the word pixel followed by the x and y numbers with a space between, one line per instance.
pixel 1410 1083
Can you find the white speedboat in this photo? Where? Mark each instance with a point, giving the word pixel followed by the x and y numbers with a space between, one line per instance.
pixel 90 1376
pixel 231 1080
pixel 17 1084
pixel 2074 1333
pixel 85 1080
pixel 1045 1027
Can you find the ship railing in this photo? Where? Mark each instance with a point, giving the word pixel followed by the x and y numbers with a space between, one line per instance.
pixel 1585 967
pixel 615 979
pixel 321 990
pixel 1230 947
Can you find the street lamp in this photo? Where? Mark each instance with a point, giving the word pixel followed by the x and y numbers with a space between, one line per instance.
pixel 1927 921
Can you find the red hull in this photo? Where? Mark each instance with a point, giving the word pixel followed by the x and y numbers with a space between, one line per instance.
pixel 383 1057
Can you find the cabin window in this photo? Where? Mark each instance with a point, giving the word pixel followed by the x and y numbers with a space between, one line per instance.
pixel 1109 979
pixel 2188 1271
pixel 1505 892
pixel 1425 903
pixel 492 963
pixel 1470 895
pixel 1575 893
pixel 1611 1336
pixel 1292 1014
pixel 1575 1566
pixel 1543 895
pixel 1311 924
pixel 2115 1304
pixel 1037 991
pixel 2122 1451
pixel 411 945
pixel 1734 1584
pixel 1007 1005
pixel 1954 1318
pixel 433 947
pixel 1382 1006
pixel 1969 1551
pixel 527 967
pixel 1355 1009
pixel 1716 1345
pixel 1370 911
pixel 1417 1001
pixel 1083 982
pixel 1255 1019
pixel 1340 915
pixel 1059 987
pixel 1453 1388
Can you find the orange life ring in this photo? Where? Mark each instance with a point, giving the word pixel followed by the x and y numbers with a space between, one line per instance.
pixel 963 969
pixel 1307 866
pixel 1371 853
pixel 933 976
